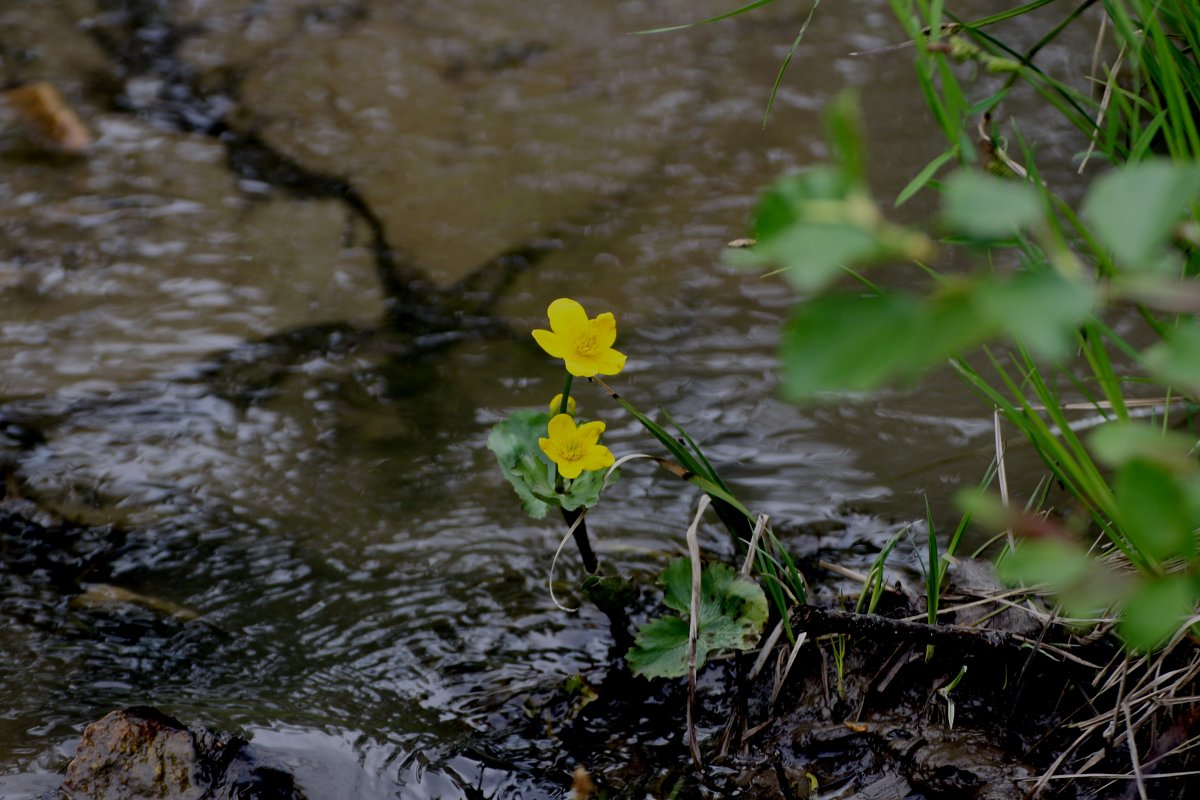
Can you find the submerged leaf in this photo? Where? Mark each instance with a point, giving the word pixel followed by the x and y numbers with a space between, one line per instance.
pixel 733 610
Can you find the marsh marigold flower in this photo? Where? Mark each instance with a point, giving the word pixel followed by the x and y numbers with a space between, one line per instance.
pixel 573 449
pixel 584 344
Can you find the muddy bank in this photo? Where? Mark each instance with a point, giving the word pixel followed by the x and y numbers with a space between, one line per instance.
pixel 881 724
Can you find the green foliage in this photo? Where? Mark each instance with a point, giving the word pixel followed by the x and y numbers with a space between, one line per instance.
pixel 1048 276
pixel 815 223
pixel 1154 511
pixel 851 342
pixel 514 440
pixel 984 206
pixel 733 611
pixel 1156 610
pixel 1157 490
pixel 1051 562
pixel 1176 360
pixel 1133 211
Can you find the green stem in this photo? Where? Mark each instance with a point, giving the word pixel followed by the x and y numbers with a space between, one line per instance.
pixel 566 394
pixel 590 562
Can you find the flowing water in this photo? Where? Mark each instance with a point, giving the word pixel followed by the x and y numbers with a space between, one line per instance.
pixel 364 584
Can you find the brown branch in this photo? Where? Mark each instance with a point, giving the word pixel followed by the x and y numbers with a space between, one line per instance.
pixel 817 621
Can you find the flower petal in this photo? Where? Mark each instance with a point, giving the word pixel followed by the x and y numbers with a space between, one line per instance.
pixel 610 362
pixel 567 318
pixel 549 448
pixel 589 432
pixel 598 457
pixel 581 368
pixel 557 346
pixel 561 427
pixel 570 469
pixel 604 327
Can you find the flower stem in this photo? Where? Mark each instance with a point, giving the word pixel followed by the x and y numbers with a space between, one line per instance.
pixel 566 394
pixel 590 562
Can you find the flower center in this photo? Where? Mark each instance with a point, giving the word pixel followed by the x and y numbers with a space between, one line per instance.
pixel 572 450
pixel 586 344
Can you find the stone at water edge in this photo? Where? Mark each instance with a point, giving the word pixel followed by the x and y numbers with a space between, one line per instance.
pixel 141 753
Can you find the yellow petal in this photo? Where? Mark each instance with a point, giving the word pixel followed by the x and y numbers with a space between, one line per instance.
pixel 580 368
pixel 570 469
pixel 609 362
pixel 552 343
pixel 590 432
pixel 561 427
pixel 605 329
pixel 567 318
pixel 549 449
pixel 598 457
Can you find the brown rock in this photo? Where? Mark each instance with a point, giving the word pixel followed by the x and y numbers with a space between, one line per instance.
pixel 142 754
pixel 133 754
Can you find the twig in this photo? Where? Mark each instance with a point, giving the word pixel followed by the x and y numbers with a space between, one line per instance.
pixel 694 629
pixel 853 575
pixel 818 621
pixel 1133 755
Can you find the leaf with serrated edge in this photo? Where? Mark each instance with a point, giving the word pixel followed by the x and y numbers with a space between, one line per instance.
pixel 733 610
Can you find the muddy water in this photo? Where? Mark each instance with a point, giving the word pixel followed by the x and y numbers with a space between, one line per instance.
pixel 366 586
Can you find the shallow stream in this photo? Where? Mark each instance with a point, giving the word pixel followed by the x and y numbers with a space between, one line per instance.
pixel 365 587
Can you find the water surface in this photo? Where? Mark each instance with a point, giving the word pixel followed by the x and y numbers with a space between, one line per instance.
pixel 368 592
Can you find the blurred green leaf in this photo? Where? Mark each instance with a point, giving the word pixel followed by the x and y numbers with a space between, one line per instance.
pixel 791 199
pixel 855 343
pixel 1043 310
pixel 815 223
pixel 1156 610
pixel 1176 360
pixel 1134 209
pixel 1118 443
pixel 984 206
pixel 814 255
pixel 1056 563
pixel 1155 510
pixel 922 178
pixel 844 129
pixel 733 610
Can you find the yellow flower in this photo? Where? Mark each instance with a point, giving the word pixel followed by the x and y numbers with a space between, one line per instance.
pixel 575 449
pixel 556 403
pixel 585 344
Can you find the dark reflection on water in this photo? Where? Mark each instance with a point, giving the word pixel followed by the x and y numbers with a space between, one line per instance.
pixel 371 603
